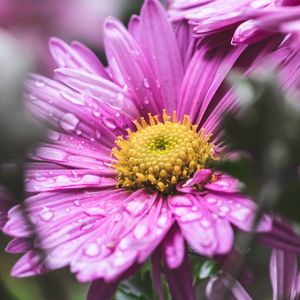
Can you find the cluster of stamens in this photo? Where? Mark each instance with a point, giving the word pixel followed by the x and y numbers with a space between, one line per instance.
pixel 161 153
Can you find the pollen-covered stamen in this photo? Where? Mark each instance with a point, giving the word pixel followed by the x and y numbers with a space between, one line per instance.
pixel 161 153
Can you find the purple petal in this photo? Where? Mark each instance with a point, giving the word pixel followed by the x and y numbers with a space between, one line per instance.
pixel 237 209
pixel 19 245
pixel 103 91
pixel 204 75
pixel 75 57
pixel 100 289
pixel 51 180
pixel 72 151
pixel 205 232
pixel 180 281
pixel 161 49
pixel 131 68
pixel 283 272
pixel 156 270
pixel 217 286
pixel 281 236
pixel 173 248
pixel 69 111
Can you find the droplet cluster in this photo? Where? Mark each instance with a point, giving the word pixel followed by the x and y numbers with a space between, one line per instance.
pixel 161 153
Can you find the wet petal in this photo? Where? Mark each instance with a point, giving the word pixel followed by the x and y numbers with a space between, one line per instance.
pixel 76 56
pixel 156 41
pixel 205 232
pixel 131 67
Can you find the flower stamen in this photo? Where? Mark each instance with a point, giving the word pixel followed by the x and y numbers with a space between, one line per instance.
pixel 161 153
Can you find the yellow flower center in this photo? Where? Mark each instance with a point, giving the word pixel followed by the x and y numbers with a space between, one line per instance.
pixel 161 153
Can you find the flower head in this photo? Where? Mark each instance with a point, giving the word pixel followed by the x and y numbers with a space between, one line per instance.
pixel 251 20
pixel 121 174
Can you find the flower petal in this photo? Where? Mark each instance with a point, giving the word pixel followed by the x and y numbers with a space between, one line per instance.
pixel 103 91
pixel 100 288
pixel 173 248
pixel 204 75
pixel 283 272
pixel 218 286
pixel 156 41
pixel 237 209
pixel 180 281
pixel 76 56
pixel 131 68
pixel 69 111
pixel 205 232
pixel 139 237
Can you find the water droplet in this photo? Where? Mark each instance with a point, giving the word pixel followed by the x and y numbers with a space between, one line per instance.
pixel 140 231
pixel 46 214
pixel 241 214
pixel 95 211
pixel 205 223
pixel 76 100
pixel 146 100
pixel 211 199
pixel 48 153
pixel 181 201
pixel 146 83
pixel 32 97
pixel 76 202
pixel 110 123
pixel 40 83
pixel 69 122
pixel 162 221
pixel 54 136
pixel 181 211
pixel 118 217
pixel 191 217
pixel 124 244
pixel 87 226
pixel 96 113
pixel 78 132
pixel 92 249
pixel 135 207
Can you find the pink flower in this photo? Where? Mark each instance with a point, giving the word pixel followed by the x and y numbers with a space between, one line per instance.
pixel 251 20
pixel 103 204
pixel 285 277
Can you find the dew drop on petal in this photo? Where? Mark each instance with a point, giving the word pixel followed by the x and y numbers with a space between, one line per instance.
pixel 46 214
pixel 180 201
pixel 95 211
pixel 146 83
pixel 70 98
pixel 69 122
pixel 40 83
pixel 211 199
pixel 54 136
pixel 205 223
pixel 110 123
pixel 92 249
pixel 140 231
pixel 135 207
pixel 162 221
pixel 76 202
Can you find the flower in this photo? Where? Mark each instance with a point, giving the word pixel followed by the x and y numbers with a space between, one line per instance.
pixel 122 177
pixel 284 275
pixel 251 20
